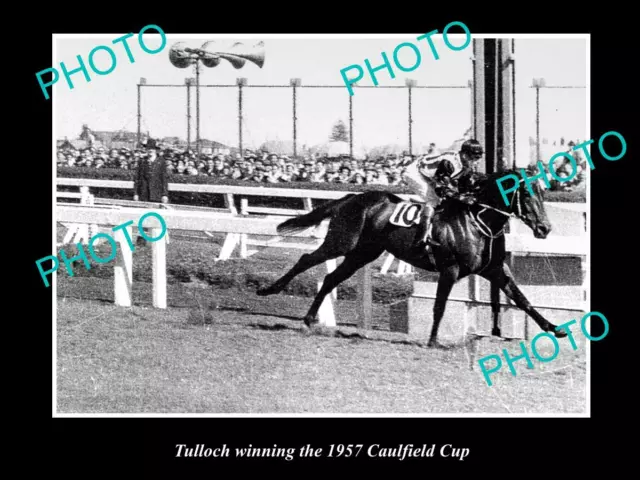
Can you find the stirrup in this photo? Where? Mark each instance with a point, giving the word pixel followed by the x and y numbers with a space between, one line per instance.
pixel 432 242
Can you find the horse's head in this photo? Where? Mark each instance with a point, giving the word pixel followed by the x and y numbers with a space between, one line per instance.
pixel 516 198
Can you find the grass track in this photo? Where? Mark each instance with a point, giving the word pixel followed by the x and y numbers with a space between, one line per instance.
pixel 257 359
pixel 144 360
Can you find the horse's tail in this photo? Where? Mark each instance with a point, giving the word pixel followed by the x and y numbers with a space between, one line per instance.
pixel 313 218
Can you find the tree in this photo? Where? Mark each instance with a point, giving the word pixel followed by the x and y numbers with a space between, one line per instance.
pixel 339 132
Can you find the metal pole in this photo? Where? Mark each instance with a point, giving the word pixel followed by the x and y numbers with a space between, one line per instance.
pixel 473 107
pixel 410 126
pixel 139 114
pixel 295 121
pixel 351 126
pixel 198 108
pixel 480 93
pixel 538 156
pixel 188 114
pixel 240 119
pixel 497 117
pixel 513 103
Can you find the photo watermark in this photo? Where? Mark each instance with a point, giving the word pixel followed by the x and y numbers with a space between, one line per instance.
pixel 556 347
pixel 83 68
pixel 83 256
pixel 386 64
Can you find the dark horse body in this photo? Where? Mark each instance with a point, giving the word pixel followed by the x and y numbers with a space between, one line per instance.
pixel 471 241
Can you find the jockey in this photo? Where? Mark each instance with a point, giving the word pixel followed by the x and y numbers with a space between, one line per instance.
pixel 445 182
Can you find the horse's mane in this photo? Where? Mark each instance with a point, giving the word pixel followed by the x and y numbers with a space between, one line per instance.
pixel 452 207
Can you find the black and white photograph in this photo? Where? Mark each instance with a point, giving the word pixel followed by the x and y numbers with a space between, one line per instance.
pixel 322 225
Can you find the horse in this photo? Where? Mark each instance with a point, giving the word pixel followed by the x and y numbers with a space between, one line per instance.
pixel 470 237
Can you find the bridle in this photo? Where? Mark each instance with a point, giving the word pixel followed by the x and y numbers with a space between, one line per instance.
pixel 486 231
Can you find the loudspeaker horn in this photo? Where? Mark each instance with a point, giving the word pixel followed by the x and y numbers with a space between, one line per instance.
pixel 208 59
pixel 180 57
pixel 237 54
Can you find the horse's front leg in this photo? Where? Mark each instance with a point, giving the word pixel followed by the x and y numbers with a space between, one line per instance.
pixel 446 281
pixel 503 278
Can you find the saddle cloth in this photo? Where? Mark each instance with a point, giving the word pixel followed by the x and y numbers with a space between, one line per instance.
pixel 406 214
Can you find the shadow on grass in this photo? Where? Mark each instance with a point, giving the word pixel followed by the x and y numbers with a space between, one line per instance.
pixel 339 332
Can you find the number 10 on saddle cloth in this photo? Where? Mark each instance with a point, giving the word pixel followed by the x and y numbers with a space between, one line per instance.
pixel 419 176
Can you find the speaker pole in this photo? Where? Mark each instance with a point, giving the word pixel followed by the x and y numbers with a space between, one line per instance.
pixel 198 110
pixel 182 56
pixel 188 82
pixel 139 118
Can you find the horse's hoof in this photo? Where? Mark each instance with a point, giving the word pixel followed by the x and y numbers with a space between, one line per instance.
pixel 560 333
pixel 308 321
pixel 496 332
pixel 263 292
pixel 435 344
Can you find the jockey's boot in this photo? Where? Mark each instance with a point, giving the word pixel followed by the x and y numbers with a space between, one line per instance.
pixel 426 229
pixel 427 238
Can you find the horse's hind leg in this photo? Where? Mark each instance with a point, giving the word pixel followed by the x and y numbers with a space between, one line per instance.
pixel 351 263
pixel 306 261
pixel 342 236
pixel 503 278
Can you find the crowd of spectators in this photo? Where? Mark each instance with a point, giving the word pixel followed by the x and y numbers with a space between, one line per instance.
pixel 563 168
pixel 265 167
pixel 262 167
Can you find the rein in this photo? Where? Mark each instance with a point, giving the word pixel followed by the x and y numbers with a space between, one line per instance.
pixel 486 231
pixel 515 198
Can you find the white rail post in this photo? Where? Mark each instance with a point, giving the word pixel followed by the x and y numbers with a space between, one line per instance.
pixel 308 206
pixel 331 266
pixel 123 268
pixel 80 231
pixel 159 257
pixel 244 210
pixel 326 314
pixel 365 297
pixel 93 229
pixel 231 239
pixel 404 268
pixel 166 235
pixel 387 264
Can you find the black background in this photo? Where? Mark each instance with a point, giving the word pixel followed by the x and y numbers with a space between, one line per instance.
pixel 540 446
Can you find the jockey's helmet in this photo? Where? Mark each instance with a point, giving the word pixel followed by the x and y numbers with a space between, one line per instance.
pixel 472 149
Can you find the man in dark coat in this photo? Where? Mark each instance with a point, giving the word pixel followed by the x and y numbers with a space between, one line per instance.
pixel 150 181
